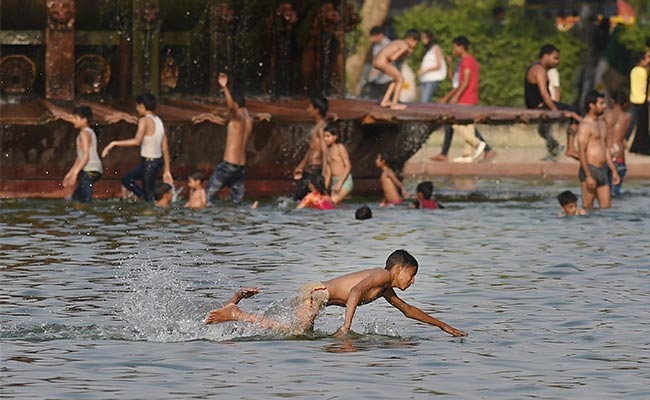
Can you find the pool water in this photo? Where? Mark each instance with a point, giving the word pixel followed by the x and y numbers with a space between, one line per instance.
pixel 106 300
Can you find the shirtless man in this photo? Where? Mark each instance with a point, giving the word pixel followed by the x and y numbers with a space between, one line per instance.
pixel 394 190
pixel 594 154
pixel 313 163
pixel 537 96
pixel 384 62
pixel 618 122
pixel 231 172
pixel 349 291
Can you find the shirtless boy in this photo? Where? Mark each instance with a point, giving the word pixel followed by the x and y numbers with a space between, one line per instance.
pixel 349 291
pixel 594 154
pixel 154 149
pixel 394 191
pixel 537 96
pixel 618 122
pixel 338 169
pixel 163 194
pixel 313 163
pixel 87 167
pixel 384 60
pixel 231 172
pixel 569 205
pixel 197 198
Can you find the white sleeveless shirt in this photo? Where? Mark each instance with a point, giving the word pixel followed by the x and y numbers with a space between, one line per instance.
pixel 151 146
pixel 94 164
pixel 429 61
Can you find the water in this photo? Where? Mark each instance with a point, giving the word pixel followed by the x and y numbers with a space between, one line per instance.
pixel 106 301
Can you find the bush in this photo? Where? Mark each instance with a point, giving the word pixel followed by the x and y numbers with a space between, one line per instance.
pixel 504 53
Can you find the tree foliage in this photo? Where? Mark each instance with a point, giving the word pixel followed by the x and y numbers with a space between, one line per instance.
pixel 503 52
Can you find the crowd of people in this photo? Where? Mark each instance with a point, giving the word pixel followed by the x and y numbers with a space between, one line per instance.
pixel 323 176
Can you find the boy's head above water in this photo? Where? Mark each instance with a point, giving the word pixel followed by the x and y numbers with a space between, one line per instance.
pixel 424 190
pixel 403 266
pixel 568 202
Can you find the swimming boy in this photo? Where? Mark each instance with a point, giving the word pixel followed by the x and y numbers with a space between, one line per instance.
pixel 231 172
pixel 313 163
pixel 384 60
pixel 349 291
pixel 569 204
pixel 363 213
pixel 87 167
pixel 424 196
pixel 618 122
pixel 154 149
pixel 394 190
pixel 163 194
pixel 594 154
pixel 197 193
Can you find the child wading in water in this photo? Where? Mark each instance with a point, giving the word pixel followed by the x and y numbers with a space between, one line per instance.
pixel 87 167
pixel 424 196
pixel 393 188
pixel 337 168
pixel 569 204
pixel 349 291
pixel 197 199
pixel 317 197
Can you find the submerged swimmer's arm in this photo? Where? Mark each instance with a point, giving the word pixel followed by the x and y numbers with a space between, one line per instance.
pixel 415 313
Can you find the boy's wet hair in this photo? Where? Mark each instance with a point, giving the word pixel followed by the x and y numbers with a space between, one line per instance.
pixel 426 188
pixel 413 34
pixel 376 30
pixel 592 97
pixel 547 49
pixel 620 97
pixel 321 104
pixel 197 176
pixel 403 258
pixel 319 183
pixel 148 100
pixel 83 112
pixel 363 212
pixel 331 129
pixel 461 41
pixel 567 197
pixel 161 189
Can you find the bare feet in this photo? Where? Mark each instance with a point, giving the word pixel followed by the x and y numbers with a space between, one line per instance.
pixel 572 153
pixel 488 155
pixel 385 104
pixel 243 293
pixel 398 106
pixel 440 157
pixel 226 313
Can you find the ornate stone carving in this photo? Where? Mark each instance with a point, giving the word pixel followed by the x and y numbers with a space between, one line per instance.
pixel 60 15
pixel 92 74
pixel 169 72
pixel 17 74
pixel 150 14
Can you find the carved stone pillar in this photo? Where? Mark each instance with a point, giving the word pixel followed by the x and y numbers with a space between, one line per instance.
pixel 59 49
pixel 145 46
pixel 222 34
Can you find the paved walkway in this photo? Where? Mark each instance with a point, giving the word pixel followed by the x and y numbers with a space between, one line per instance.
pixel 519 155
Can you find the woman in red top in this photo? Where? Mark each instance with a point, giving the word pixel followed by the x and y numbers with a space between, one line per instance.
pixel 317 196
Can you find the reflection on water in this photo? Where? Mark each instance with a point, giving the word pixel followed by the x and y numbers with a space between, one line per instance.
pixel 107 300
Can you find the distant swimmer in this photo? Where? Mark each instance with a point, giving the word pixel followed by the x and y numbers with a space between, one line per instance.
pixel 338 170
pixel 594 155
pixel 198 198
pixel 569 204
pixel 349 291
pixel 384 60
pixel 318 197
pixel 394 190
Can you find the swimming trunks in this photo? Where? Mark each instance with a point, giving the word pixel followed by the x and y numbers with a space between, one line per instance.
pixel 348 185
pixel 598 173
pixel 313 295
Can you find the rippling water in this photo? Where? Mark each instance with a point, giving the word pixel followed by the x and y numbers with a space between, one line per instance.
pixel 106 301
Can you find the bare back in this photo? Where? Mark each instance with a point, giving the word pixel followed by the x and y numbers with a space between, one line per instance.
pixel 617 122
pixel 315 151
pixel 239 130
pixel 391 192
pixel 390 53
pixel 339 289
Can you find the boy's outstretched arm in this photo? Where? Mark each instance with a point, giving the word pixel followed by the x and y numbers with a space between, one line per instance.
pixel 419 315
pixel 356 294
pixel 223 82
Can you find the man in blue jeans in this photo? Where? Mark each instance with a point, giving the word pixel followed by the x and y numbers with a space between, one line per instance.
pixel 154 149
pixel 231 172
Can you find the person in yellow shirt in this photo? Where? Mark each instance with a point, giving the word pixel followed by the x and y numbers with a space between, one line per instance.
pixel 638 89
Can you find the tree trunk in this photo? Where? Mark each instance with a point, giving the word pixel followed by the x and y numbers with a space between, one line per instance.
pixel 373 12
